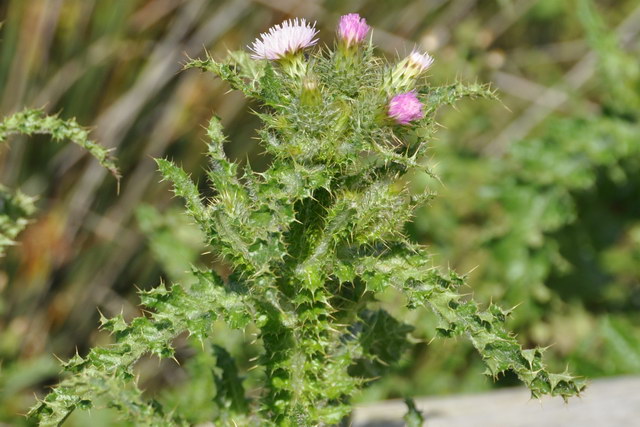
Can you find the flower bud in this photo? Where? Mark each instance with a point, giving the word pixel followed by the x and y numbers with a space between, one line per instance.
pixel 311 95
pixel 352 29
pixel 405 73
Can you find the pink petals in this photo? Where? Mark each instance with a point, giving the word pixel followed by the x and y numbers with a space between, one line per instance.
pixel 405 108
pixel 352 29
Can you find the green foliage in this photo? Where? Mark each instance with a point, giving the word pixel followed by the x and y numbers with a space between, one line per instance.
pixel 556 218
pixel 33 122
pixel 410 270
pixel 172 238
pixel 230 391
pixel 16 208
pixel 413 417
pixel 106 374
pixel 310 242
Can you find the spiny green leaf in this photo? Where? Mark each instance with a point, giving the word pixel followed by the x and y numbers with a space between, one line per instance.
pixel 15 210
pixel 30 122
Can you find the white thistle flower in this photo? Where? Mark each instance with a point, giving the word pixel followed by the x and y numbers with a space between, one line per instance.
pixel 287 38
pixel 422 61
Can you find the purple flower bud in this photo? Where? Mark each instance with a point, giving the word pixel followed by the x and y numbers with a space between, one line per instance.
pixel 352 29
pixel 405 108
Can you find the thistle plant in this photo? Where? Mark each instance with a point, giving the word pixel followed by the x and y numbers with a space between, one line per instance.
pixel 311 242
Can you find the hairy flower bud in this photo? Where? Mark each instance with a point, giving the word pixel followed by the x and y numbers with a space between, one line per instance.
pixel 352 29
pixel 311 95
pixel 405 108
pixel 405 73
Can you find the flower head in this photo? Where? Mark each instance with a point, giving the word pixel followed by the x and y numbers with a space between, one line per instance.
pixel 352 28
pixel 287 38
pixel 405 108
pixel 420 61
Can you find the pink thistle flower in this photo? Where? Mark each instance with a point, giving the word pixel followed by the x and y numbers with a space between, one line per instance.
pixel 352 28
pixel 405 108
pixel 284 39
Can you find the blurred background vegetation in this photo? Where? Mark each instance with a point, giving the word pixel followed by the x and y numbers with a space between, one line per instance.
pixel 538 198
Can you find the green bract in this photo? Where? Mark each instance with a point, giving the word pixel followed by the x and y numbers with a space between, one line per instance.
pixel 311 241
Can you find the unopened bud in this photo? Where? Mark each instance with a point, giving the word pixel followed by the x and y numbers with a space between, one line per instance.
pixel 310 91
pixel 352 29
pixel 405 73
